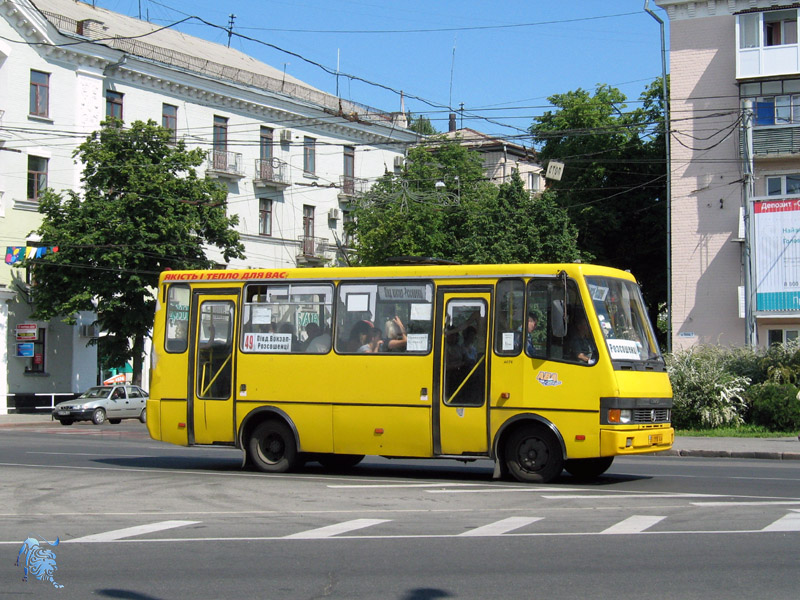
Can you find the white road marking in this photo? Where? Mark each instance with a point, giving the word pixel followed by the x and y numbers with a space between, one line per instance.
pixel 790 522
pixel 332 530
pixel 634 524
pixel 118 534
pixel 500 527
pixel 398 485
pixel 760 503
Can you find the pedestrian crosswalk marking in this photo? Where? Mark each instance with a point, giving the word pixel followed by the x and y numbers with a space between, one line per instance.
pixel 790 522
pixel 634 524
pixel 500 527
pixel 118 534
pixel 332 530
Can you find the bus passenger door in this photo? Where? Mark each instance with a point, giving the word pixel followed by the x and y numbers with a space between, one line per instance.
pixel 211 381
pixel 461 408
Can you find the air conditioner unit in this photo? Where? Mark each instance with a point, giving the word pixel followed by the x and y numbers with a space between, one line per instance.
pixel 398 162
pixel 286 135
pixel 89 331
pixel 333 214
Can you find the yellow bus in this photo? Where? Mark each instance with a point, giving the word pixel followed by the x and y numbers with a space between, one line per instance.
pixel 539 368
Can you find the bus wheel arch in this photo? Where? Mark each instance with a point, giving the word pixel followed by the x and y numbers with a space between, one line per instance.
pixel 270 441
pixel 530 449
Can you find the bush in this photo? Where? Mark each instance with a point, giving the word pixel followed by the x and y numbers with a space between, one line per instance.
pixel 705 393
pixel 775 405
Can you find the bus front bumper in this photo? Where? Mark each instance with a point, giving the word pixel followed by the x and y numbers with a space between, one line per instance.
pixel 615 442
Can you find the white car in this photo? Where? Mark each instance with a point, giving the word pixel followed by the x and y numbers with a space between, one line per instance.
pixel 111 402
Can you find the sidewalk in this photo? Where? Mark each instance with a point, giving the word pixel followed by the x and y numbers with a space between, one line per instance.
pixel 779 448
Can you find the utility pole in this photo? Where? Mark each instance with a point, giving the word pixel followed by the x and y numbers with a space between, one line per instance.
pixel 232 18
pixel 667 136
pixel 751 337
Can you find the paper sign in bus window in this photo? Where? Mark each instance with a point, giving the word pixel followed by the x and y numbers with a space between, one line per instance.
pixel 262 315
pixel 267 342
pixel 508 341
pixel 357 302
pixel 417 342
pixel 420 312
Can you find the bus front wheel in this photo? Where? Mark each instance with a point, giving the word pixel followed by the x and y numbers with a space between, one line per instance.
pixel 272 448
pixel 588 468
pixel 533 455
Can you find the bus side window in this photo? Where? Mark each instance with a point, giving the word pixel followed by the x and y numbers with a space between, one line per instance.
pixel 176 337
pixel 509 317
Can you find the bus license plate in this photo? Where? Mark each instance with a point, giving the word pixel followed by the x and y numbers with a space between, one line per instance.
pixel 655 439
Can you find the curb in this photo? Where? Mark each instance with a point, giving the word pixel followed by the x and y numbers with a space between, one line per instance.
pixel 730 454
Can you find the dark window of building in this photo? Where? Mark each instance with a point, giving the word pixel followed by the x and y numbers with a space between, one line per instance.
pixel 169 119
pixel 40 94
pixel 309 155
pixel 265 216
pixel 37 176
pixel 114 104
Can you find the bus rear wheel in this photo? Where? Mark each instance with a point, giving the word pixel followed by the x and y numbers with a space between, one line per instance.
pixel 533 455
pixel 588 468
pixel 272 448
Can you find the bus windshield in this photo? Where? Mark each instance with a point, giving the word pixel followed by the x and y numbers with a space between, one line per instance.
pixel 623 320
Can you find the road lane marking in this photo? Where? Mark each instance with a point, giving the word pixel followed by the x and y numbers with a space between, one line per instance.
pixel 118 534
pixel 399 485
pixel 748 503
pixel 790 522
pixel 500 527
pixel 634 524
pixel 332 530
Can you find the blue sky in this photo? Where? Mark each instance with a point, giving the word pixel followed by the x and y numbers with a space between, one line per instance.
pixel 500 59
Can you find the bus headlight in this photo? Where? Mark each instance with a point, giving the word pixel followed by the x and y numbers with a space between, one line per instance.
pixel 620 415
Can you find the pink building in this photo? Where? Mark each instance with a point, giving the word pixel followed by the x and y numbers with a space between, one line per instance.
pixel 735 164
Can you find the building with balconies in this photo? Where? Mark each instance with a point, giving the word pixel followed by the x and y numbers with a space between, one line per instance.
pixel 290 155
pixel 735 163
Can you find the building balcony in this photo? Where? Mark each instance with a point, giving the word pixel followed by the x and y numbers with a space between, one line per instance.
pixel 768 61
pixel 225 164
pixel 271 172
pixel 311 251
pixel 775 142
pixel 352 186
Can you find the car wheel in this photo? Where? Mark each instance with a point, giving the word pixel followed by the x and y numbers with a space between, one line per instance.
pixel 66 421
pixel 99 416
pixel 115 421
pixel 588 468
pixel 272 448
pixel 143 416
pixel 533 455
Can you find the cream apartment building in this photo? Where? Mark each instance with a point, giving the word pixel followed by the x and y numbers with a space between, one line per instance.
pixel 291 156
pixel 735 164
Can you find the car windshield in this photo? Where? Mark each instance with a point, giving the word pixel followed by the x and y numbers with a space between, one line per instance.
pixel 96 392
pixel 623 319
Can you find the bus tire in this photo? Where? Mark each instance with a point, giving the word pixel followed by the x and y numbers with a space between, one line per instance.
pixel 533 455
pixel 339 462
pixel 272 448
pixel 588 468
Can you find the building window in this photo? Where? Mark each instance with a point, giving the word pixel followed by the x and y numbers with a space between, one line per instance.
pixel 783 185
pixel 265 216
pixel 220 142
pixel 780 27
pixel 40 94
pixel 37 177
pixel 308 230
pixel 36 364
pixel 349 168
pixel 782 336
pixel 534 182
pixel 169 119
pixel 113 105
pixel 309 155
pixel 265 144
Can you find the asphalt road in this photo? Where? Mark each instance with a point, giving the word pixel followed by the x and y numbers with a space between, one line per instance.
pixel 143 520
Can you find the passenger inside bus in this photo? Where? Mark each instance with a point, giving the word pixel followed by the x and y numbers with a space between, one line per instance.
pixel 359 335
pixel 396 337
pixel 581 346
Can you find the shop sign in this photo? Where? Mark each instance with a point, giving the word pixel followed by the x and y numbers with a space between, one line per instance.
pixel 25 350
pixel 27 332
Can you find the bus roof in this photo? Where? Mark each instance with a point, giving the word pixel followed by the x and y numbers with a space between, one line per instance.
pixel 395 271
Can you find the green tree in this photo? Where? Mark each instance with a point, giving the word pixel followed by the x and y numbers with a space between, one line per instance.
pixel 614 182
pixel 421 125
pixel 442 206
pixel 143 210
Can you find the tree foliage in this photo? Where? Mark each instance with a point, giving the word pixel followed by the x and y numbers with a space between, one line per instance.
pixel 421 125
pixel 442 206
pixel 143 210
pixel 614 182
